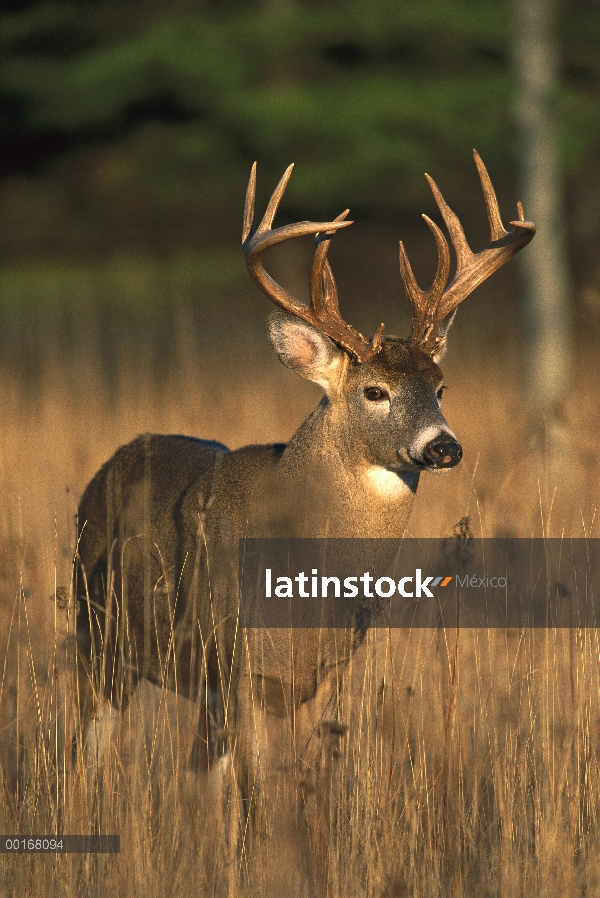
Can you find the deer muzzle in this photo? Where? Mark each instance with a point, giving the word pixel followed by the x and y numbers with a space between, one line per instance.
pixel 442 452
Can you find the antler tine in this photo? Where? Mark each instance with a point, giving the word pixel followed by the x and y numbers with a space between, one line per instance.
pixel 324 303
pixel 323 289
pixel 247 228
pixel 273 204
pixel 455 229
pixel 323 311
pixel 425 302
pixel 497 229
pixel 471 268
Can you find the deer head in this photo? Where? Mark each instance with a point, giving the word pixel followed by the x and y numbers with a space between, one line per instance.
pixel 388 388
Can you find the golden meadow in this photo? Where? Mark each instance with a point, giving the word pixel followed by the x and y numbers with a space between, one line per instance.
pixel 492 787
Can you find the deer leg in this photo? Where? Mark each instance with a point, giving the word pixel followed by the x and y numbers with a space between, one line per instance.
pixel 105 679
pixel 321 736
pixel 265 759
pixel 100 710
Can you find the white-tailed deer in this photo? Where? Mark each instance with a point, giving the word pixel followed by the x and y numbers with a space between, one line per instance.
pixel 160 523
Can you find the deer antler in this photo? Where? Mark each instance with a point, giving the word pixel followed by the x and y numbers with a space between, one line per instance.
pixel 432 307
pixel 323 311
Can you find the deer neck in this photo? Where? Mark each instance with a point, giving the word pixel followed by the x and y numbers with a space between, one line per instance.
pixel 338 492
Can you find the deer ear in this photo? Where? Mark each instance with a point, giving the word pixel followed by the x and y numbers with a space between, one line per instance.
pixel 441 333
pixel 303 348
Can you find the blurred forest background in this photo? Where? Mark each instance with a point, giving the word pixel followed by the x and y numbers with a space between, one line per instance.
pixel 129 129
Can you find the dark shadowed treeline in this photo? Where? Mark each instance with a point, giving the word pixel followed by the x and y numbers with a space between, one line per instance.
pixel 131 126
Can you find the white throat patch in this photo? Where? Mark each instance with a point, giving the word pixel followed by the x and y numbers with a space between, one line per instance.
pixel 385 482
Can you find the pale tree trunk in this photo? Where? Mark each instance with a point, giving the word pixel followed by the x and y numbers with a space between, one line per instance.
pixel 548 343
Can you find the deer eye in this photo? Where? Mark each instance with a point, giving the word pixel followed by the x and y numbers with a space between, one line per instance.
pixel 376 394
pixel 440 391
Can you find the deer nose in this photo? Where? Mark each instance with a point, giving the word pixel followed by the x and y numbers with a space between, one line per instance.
pixel 442 452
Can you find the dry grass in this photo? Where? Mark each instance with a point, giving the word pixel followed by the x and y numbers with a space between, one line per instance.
pixel 476 774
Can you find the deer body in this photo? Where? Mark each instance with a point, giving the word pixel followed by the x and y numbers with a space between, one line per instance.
pixel 160 524
pixel 330 480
